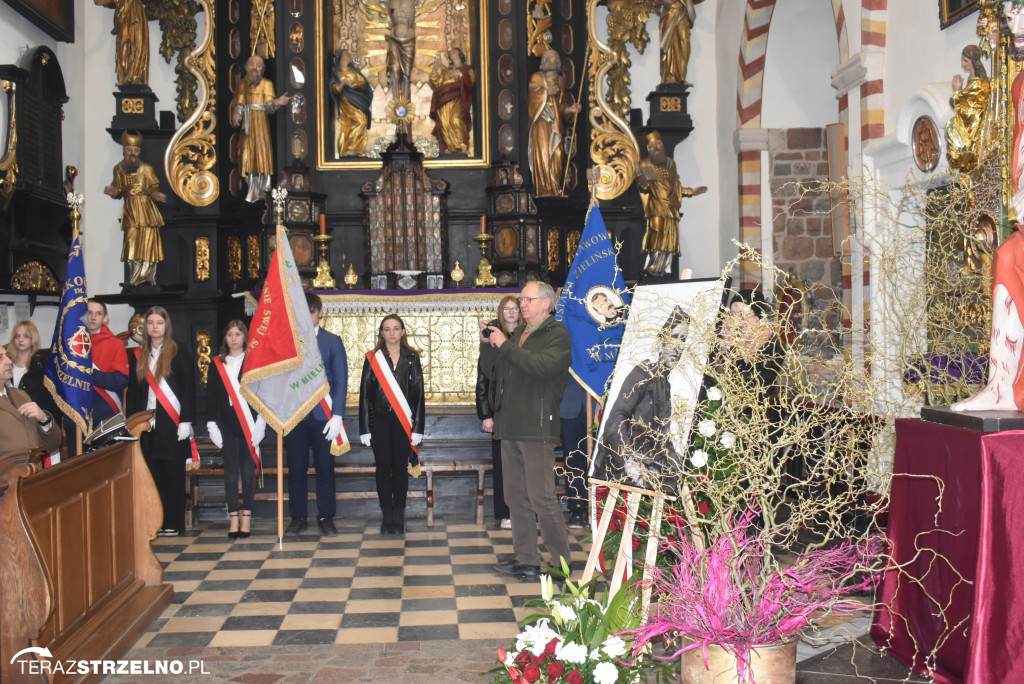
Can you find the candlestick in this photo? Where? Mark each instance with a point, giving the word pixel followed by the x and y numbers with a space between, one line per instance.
pixel 484 278
pixel 323 224
pixel 324 280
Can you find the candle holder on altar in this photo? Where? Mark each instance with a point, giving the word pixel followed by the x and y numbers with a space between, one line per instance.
pixel 324 280
pixel 483 269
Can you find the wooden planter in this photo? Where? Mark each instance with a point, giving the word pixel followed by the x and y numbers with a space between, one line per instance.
pixel 768 665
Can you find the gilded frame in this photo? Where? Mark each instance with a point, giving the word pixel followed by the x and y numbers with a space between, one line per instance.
pixel 952 11
pixel 477 57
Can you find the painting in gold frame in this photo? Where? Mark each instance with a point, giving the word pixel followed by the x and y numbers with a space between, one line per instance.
pixel 361 26
pixel 952 11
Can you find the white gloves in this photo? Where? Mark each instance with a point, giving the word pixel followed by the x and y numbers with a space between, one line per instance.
pixel 259 431
pixel 184 431
pixel 333 428
pixel 365 439
pixel 214 432
pixel 416 438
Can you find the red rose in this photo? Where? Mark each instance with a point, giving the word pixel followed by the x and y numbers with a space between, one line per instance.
pixel 703 507
pixel 574 677
pixel 602 493
pixel 615 525
pixel 554 671
pixel 513 673
pixel 501 654
pixel 549 650
pixel 672 539
pixel 523 658
pixel 531 673
pixel 642 523
pixel 636 543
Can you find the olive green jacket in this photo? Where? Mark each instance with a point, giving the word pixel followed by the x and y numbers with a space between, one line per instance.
pixel 528 381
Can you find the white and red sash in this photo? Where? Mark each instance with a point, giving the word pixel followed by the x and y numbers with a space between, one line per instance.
pixel 392 391
pixel 165 395
pixel 113 399
pixel 339 447
pixel 241 409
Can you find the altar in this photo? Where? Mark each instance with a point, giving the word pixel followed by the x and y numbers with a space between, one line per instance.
pixel 442 324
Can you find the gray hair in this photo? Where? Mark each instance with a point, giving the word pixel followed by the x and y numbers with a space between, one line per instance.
pixel 545 291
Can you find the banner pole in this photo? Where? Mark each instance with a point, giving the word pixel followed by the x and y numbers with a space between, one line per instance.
pixel 280 490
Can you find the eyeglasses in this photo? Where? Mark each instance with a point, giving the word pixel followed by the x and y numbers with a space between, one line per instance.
pixel 526 300
pixel 511 309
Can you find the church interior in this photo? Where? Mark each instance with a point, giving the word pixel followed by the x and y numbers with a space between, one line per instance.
pixel 428 158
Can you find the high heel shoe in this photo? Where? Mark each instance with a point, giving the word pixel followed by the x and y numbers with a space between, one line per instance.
pixel 245 525
pixel 233 517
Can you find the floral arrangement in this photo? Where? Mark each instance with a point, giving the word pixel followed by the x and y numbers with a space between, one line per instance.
pixel 725 595
pixel 576 639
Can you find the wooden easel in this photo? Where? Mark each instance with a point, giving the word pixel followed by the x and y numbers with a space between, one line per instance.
pixel 632 496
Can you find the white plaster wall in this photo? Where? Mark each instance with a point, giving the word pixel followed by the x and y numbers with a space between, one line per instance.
pixel 802 52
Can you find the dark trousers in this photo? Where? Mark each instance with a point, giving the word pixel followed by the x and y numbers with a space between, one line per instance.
pixel 574 447
pixel 238 463
pixel 169 477
pixel 529 471
pixel 391 456
pixel 500 507
pixel 309 435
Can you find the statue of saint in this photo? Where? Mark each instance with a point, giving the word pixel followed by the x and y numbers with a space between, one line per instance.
pixel 353 98
pixel 132 45
pixel 452 99
pixel 966 130
pixel 135 181
pixel 662 195
pixel 548 111
pixel 677 18
pixel 251 109
pixel 1005 388
pixel 401 57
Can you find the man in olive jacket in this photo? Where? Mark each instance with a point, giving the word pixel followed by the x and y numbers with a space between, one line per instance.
pixel 530 370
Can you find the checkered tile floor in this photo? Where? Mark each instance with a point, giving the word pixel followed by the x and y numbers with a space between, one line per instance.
pixel 358 588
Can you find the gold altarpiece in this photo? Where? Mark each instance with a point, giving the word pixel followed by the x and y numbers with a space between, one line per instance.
pixel 444 327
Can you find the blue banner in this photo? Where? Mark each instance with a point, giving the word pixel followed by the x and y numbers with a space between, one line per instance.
pixel 69 368
pixel 593 306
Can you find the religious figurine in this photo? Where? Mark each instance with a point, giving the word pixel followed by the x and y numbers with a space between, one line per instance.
pixel 1005 388
pixel 661 194
pixel 251 109
pixel 136 182
pixel 452 99
pixel 677 17
pixel 353 98
pixel 401 58
pixel 132 46
pixel 966 129
pixel 548 111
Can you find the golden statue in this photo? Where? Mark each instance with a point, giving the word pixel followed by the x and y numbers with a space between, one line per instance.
pixel 452 99
pixel 132 46
pixel 677 17
pixel 251 109
pixel 548 111
pixel 965 132
pixel 662 195
pixel 136 182
pixel 353 98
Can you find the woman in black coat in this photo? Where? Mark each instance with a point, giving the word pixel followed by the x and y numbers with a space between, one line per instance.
pixel 167 445
pixel 379 425
pixel 227 431
pixel 508 320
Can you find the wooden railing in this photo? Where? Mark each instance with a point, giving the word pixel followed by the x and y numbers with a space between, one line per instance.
pixel 77 573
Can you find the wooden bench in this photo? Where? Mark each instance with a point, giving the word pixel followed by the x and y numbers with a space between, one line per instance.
pixel 430 469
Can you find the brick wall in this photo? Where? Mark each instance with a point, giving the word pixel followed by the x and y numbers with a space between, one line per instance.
pixel 801 225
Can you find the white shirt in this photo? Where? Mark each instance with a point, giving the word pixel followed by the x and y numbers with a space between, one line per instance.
pixel 19 373
pixel 232 364
pixel 154 356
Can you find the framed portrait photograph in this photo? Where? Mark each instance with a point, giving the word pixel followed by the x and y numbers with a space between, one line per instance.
pixel 645 427
pixel 952 11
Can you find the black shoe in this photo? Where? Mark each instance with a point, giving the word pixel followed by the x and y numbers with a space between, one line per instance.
pixel 578 520
pixel 398 527
pixel 296 527
pixel 327 528
pixel 516 568
pixel 387 523
pixel 529 574
pixel 168 532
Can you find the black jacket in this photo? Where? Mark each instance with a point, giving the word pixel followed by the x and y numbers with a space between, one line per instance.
pixel 409 375
pixel 484 369
pixel 168 448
